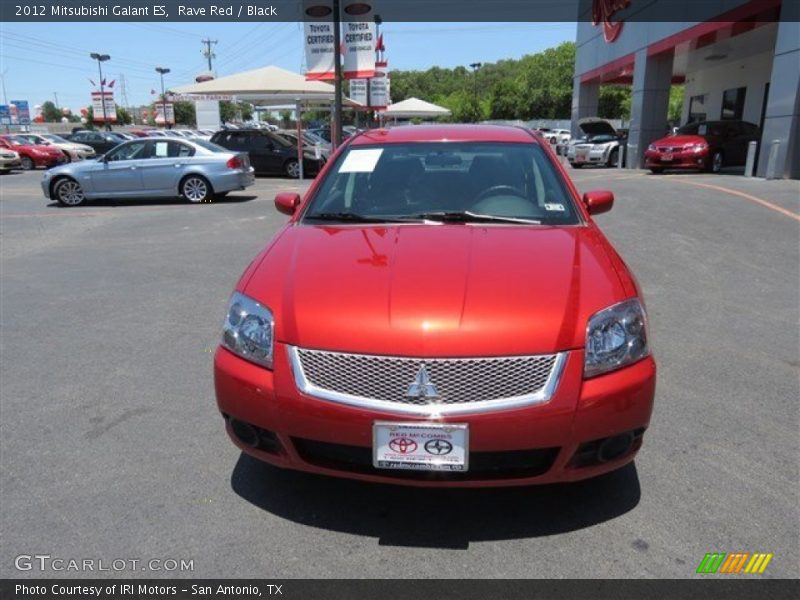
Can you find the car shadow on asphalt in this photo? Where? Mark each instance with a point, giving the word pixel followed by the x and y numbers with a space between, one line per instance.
pixel 434 517
pixel 120 202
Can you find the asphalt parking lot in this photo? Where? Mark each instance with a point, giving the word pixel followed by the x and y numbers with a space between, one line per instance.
pixel 112 446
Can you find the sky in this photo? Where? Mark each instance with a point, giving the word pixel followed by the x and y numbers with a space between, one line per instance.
pixel 39 60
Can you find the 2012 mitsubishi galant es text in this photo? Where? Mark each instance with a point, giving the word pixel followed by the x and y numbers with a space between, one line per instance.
pixel 440 309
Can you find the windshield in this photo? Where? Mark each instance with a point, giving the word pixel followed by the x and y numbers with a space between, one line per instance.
pixel 32 139
pixel 55 138
pixel 444 179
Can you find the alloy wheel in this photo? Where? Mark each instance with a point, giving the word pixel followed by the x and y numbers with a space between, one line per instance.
pixel 69 193
pixel 293 169
pixel 195 189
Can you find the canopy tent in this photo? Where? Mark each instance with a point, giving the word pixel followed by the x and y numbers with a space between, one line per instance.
pixel 270 86
pixel 414 107
pixel 265 86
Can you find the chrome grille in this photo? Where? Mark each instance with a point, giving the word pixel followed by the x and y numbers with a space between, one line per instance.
pixel 462 384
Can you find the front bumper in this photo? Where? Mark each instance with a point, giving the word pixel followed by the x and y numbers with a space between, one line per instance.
pixel 6 164
pixel 677 160
pixel 550 439
pixel 590 157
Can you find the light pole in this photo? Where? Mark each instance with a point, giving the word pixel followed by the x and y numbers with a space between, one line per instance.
pixel 163 71
pixel 101 58
pixel 475 66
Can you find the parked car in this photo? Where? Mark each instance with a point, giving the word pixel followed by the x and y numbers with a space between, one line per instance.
pixel 269 154
pixel 705 145
pixel 440 310
pixel 557 138
pixel 311 143
pixel 600 145
pixel 101 141
pixel 71 150
pixel 9 160
pixel 31 155
pixel 193 169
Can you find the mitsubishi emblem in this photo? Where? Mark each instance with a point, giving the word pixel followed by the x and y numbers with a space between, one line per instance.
pixel 422 387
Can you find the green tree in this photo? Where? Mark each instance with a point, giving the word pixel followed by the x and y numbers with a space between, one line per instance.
pixel 185 113
pixel 123 116
pixel 506 100
pixel 614 102
pixel 286 118
pixel 50 113
pixel 676 96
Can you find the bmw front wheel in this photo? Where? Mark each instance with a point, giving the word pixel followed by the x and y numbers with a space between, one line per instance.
pixel 68 192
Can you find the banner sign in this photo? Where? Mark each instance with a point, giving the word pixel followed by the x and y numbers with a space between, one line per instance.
pixel 160 108
pixel 358 39
pixel 23 116
pixel 100 98
pixel 379 87
pixel 318 31
pixel 5 114
pixel 358 91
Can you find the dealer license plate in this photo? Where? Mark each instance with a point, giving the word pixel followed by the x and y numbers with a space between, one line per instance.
pixel 666 157
pixel 420 446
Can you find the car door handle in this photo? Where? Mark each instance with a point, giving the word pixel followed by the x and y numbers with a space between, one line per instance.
pixel 133 167
pixel 178 165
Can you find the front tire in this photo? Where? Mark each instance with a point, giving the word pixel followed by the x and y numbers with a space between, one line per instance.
pixel 27 163
pixel 613 158
pixel 292 169
pixel 717 161
pixel 656 170
pixel 196 189
pixel 68 192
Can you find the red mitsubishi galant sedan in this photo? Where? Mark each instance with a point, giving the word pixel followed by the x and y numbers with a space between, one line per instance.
pixel 440 309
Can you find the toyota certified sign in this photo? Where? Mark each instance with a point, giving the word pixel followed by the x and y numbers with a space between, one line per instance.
pixel 319 39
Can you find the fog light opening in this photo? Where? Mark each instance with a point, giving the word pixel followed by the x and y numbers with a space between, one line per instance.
pixel 245 432
pixel 614 447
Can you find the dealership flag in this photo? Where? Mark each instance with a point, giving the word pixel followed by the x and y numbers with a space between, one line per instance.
pixel 318 30
pixel 358 39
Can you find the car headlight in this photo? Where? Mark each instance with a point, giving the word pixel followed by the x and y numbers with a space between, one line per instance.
pixel 652 147
pixel 616 337
pixel 248 330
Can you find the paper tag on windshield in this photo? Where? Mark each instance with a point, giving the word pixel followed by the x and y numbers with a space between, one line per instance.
pixel 555 207
pixel 361 161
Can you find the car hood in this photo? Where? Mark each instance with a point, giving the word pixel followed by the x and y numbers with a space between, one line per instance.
pixel 594 126
pixel 435 290
pixel 679 140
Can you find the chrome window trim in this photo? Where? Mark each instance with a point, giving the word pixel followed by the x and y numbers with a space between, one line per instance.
pixel 431 410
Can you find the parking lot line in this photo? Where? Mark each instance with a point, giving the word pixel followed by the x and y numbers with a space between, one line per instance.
pixel 751 198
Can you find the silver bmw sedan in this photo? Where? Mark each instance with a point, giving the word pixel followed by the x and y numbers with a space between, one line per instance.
pixel 196 170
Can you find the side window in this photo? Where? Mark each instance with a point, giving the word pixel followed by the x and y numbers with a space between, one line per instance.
pixel 178 150
pixel 160 149
pixel 132 151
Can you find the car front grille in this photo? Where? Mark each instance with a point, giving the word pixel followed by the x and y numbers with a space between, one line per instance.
pixel 426 385
pixel 670 149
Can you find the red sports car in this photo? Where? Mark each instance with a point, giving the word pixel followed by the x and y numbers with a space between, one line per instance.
pixel 440 309
pixel 33 155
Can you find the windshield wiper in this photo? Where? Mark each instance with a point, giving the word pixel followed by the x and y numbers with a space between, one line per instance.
pixel 471 217
pixel 347 217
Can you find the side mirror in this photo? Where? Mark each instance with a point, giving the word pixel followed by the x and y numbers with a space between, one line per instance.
pixel 598 202
pixel 287 203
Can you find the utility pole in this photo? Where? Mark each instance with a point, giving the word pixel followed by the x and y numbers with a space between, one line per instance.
pixel 337 64
pixel 208 53
pixel 123 96
pixel 163 71
pixel 101 58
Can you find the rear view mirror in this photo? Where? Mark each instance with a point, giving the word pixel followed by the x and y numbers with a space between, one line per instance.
pixel 287 202
pixel 598 202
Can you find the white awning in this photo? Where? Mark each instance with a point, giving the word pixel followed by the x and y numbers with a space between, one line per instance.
pixel 267 86
pixel 414 107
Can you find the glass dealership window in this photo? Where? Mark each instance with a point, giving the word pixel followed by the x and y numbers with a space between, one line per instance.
pixel 733 103
pixel 697 108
